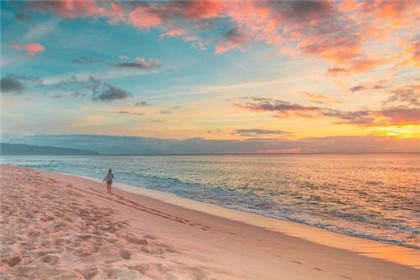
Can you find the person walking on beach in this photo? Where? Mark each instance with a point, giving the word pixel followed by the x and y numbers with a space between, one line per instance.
pixel 108 179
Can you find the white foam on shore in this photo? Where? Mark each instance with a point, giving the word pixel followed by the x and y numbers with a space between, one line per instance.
pixel 370 248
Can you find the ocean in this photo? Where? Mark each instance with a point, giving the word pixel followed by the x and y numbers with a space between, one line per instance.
pixel 374 196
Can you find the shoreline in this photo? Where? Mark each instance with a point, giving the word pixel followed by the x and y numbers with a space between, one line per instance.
pixel 231 238
pixel 363 246
pixel 359 245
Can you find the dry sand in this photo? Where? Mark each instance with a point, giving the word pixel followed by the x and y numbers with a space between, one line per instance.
pixel 56 226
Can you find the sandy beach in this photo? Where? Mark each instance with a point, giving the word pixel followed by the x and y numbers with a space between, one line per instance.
pixel 56 226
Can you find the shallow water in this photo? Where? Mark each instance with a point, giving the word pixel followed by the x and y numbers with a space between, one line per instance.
pixel 373 196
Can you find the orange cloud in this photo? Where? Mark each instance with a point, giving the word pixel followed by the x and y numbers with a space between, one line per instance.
pixel 32 48
pixel 396 13
pixel 349 5
pixel 381 84
pixel 359 65
pixel 412 50
pixel 407 96
pixel 365 64
pixel 402 115
pixel 320 99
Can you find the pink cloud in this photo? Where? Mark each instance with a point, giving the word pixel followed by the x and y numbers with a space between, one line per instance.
pixel 196 42
pixel 141 59
pixel 143 17
pixel 335 31
pixel 191 38
pixel 175 32
pixel 32 48
pixel 116 13
pixel 333 71
pixel 15 46
pixel 203 9
pixel 250 15
pixel 232 40
pixel 341 49
pixel 66 8
pixel 72 8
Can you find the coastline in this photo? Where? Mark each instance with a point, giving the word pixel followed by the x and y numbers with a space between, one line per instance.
pixel 211 241
pixel 362 246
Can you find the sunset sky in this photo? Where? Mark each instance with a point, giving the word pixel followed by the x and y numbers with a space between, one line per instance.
pixel 242 71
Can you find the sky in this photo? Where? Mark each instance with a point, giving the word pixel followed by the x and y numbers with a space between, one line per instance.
pixel 212 76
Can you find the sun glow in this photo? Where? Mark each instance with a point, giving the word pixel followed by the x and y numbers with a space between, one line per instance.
pixel 406 131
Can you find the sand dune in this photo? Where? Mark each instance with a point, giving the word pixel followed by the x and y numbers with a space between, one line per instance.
pixel 55 226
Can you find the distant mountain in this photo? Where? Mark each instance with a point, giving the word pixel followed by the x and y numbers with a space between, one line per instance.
pixel 22 149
